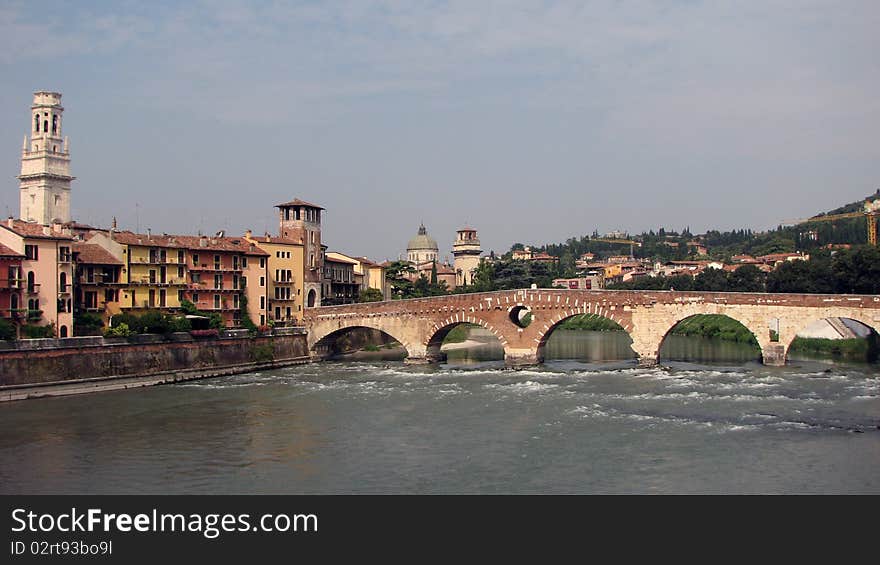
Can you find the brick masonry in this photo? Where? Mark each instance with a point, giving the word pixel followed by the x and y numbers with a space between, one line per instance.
pixel 421 324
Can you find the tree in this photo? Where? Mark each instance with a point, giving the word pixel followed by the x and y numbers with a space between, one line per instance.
pixel 747 278
pixel 711 279
pixel 370 295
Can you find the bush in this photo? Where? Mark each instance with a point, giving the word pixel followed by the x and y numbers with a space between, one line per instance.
pixel 119 330
pixel 7 330
pixel 38 332
pixel 154 322
pixel 179 324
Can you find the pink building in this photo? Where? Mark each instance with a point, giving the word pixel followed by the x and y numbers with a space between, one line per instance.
pixel 46 272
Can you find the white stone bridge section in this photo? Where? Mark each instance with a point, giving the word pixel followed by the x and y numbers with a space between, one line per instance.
pixel 421 324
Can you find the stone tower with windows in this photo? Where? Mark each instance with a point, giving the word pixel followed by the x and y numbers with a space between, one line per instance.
pixel 301 222
pixel 45 164
pixel 466 251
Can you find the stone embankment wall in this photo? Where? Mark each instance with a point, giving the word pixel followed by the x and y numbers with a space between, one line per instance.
pixel 53 367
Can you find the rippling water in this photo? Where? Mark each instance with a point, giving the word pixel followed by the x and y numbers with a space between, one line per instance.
pixel 387 427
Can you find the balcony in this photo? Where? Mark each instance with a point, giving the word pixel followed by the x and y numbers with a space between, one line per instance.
pixel 216 268
pixel 34 314
pixel 33 288
pixel 154 282
pixel 154 261
pixel 11 284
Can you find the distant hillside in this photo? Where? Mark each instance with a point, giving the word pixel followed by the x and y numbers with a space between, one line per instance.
pixel 852 207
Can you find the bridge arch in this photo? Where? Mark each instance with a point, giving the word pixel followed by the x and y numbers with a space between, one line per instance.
pixel 442 329
pixel 862 320
pixel 346 340
pixel 322 334
pixel 547 330
pixel 701 320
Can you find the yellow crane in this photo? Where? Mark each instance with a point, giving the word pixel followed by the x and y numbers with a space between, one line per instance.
pixel 629 242
pixel 869 210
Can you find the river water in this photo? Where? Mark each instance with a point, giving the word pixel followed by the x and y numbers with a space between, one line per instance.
pixel 467 426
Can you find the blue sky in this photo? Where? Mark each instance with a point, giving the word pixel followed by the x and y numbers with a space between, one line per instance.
pixel 531 121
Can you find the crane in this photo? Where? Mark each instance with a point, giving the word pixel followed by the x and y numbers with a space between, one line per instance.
pixel 629 242
pixel 870 210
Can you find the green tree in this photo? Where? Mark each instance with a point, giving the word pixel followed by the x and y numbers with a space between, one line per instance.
pixel 747 278
pixel 370 295
pixel 711 280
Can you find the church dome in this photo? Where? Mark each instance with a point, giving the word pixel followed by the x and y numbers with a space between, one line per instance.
pixel 422 242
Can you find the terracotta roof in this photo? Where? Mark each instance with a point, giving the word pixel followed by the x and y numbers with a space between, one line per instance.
pixel 6 252
pixel 339 258
pixel 192 242
pixel 280 240
pixel 34 230
pixel 367 262
pixel 298 202
pixel 92 254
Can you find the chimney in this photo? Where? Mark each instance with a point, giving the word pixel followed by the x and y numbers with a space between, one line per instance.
pixel 203 241
pixel 10 222
pixel 248 234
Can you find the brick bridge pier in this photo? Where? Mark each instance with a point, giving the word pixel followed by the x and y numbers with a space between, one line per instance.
pixel 421 324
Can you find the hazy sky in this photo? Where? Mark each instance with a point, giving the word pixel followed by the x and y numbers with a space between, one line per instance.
pixel 531 121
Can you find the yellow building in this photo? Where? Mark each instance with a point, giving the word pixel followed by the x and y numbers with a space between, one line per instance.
pixel 214 273
pixel 367 273
pixel 285 273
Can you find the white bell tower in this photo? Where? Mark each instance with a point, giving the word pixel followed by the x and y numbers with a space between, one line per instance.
pixel 45 164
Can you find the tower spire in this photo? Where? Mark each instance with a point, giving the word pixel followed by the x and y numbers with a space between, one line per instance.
pixel 45 164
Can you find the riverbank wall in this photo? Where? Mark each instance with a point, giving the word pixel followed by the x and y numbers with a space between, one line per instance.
pixel 57 367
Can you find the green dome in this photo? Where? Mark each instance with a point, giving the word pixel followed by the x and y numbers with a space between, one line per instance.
pixel 422 241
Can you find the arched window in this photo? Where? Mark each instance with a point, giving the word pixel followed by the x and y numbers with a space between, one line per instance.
pixel 63 279
pixel 36 122
pixel 54 123
pixel 30 281
pixel 13 302
pixel 63 331
pixel 46 126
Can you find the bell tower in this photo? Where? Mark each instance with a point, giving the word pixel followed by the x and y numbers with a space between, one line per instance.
pixel 45 164
pixel 466 251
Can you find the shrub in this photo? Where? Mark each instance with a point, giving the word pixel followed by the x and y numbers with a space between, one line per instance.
pixel 179 324
pixel 7 330
pixel 38 332
pixel 119 330
pixel 154 322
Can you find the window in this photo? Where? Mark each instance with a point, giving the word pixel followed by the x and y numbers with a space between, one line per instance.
pixel 195 259
pixel 36 122
pixel 63 253
pixel 244 262
pixel 235 301
pixel 54 123
pixel 180 296
pixel 262 302
pixel 180 256
pixel 235 282
pixel 195 298
pixel 218 281
pixel 63 282
pixel 162 298
pixel 216 262
pixel 216 302
pixel 262 281
pixel 32 252
pixel 262 262
pixel 180 272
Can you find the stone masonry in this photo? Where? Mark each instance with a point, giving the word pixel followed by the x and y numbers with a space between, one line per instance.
pixel 421 324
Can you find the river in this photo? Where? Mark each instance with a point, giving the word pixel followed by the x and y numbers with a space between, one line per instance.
pixel 725 424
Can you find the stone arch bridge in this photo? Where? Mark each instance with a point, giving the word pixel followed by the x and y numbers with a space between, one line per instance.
pixel 421 324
